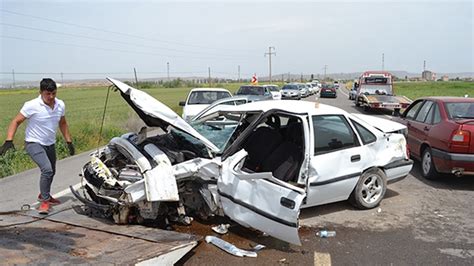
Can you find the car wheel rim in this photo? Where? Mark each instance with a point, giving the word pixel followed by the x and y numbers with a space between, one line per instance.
pixel 372 189
pixel 426 165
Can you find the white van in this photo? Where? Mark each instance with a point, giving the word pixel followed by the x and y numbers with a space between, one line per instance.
pixel 200 98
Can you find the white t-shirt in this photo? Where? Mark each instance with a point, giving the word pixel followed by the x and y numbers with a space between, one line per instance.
pixel 42 120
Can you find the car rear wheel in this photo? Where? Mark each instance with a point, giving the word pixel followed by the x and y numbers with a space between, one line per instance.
pixel 428 169
pixel 370 189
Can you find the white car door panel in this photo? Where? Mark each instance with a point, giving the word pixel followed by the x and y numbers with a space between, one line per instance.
pixel 334 181
pixel 259 202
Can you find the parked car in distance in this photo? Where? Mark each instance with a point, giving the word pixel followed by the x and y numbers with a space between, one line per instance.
pixel 328 90
pixel 311 89
pixel 200 98
pixel 257 92
pixel 303 90
pixel 441 134
pixel 290 91
pixel 274 90
pixel 223 104
pixel 336 84
pixel 259 167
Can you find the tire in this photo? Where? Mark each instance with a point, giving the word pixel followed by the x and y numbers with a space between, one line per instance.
pixel 370 189
pixel 357 103
pixel 428 169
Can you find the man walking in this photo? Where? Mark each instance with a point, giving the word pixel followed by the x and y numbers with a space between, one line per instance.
pixel 44 115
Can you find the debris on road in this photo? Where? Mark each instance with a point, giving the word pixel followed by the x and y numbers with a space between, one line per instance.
pixel 230 248
pixel 258 247
pixel 326 233
pixel 221 229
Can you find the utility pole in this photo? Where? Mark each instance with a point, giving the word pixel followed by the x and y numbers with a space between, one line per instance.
pixel 424 65
pixel 209 70
pixel 136 79
pixel 383 61
pixel 325 70
pixel 168 70
pixel 13 74
pixel 270 53
pixel 239 72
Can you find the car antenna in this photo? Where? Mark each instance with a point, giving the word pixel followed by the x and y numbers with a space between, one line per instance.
pixel 103 118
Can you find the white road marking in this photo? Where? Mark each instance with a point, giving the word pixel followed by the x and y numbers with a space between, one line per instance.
pixel 342 91
pixel 61 193
pixel 322 259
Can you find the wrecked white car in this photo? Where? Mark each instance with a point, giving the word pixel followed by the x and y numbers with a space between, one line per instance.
pixel 256 163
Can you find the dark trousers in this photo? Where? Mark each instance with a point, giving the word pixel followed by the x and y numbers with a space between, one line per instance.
pixel 45 158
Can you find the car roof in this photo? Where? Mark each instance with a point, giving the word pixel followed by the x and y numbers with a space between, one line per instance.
pixel 448 99
pixel 209 89
pixel 291 106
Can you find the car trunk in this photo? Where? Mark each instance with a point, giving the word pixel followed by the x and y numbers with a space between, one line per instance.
pixel 468 125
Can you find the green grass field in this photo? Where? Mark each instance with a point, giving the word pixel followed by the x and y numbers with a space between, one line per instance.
pixel 85 106
pixel 414 90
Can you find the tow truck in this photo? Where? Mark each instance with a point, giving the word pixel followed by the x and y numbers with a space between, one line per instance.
pixel 375 91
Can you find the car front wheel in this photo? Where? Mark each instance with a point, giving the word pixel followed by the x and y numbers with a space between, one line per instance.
pixel 428 169
pixel 370 189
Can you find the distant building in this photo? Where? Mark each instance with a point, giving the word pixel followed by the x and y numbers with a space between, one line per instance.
pixel 445 78
pixel 428 75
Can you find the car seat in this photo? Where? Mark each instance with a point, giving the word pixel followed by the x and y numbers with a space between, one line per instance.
pixel 285 161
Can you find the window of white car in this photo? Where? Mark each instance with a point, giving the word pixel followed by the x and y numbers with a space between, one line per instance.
pixel 332 133
pixel 206 97
pixel 365 134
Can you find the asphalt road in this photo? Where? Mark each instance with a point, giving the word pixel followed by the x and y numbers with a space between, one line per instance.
pixel 418 222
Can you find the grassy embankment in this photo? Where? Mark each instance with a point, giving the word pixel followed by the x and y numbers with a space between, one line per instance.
pixel 84 109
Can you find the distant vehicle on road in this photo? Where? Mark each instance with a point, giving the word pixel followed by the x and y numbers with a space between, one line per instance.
pixel 376 92
pixel 336 84
pixel 441 134
pixel 274 90
pixel 303 90
pixel 328 90
pixel 258 93
pixel 290 91
pixel 200 98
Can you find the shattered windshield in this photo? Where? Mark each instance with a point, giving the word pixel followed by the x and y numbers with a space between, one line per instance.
pixel 218 128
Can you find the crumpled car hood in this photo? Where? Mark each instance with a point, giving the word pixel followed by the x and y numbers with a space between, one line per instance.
pixel 156 114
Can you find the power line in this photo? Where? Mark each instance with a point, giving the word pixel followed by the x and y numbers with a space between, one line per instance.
pixel 270 53
pixel 113 50
pixel 110 41
pixel 118 33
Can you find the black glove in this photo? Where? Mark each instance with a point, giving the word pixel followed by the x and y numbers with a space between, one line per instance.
pixel 6 146
pixel 71 149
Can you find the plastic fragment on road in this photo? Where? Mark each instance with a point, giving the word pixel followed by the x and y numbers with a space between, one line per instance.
pixel 221 229
pixel 258 247
pixel 230 248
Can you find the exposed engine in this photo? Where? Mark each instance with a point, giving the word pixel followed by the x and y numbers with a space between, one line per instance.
pixel 162 179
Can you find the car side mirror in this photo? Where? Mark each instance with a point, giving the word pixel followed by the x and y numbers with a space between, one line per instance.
pixel 182 103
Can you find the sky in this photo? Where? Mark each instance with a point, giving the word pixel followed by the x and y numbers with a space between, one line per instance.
pixel 95 39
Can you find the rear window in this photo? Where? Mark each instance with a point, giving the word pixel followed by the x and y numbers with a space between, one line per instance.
pixel 251 90
pixel 290 87
pixel 460 110
pixel 207 97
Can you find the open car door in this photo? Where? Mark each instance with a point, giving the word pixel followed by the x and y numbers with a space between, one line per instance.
pixel 259 200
